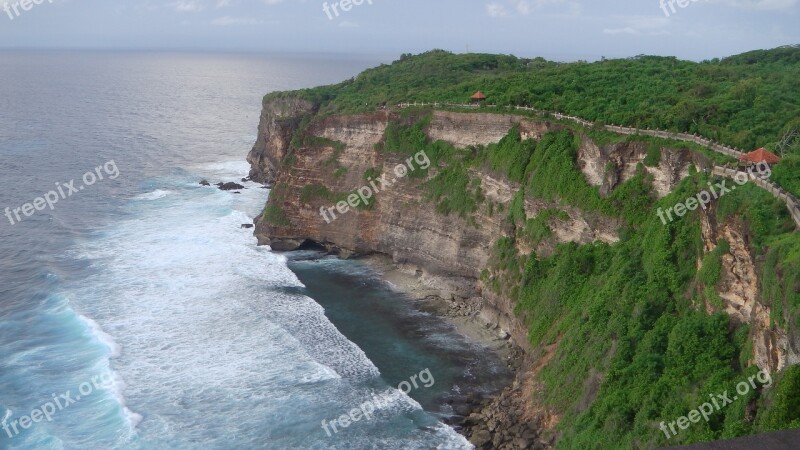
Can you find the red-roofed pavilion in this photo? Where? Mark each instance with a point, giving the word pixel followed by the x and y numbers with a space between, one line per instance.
pixel 760 155
pixel 478 96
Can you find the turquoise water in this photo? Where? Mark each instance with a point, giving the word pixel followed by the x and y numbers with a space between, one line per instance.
pixel 142 301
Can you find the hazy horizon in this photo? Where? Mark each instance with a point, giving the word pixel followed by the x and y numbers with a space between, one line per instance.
pixel 561 30
pixel 302 54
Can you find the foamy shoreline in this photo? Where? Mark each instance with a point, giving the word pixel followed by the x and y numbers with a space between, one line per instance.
pixel 430 299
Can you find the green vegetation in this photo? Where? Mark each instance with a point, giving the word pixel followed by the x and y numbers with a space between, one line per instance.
pixel 621 312
pixel 764 215
pixel 785 174
pixel 298 139
pixel 511 155
pixel 373 173
pixel 551 161
pixel 340 172
pixel 316 192
pixel 780 278
pixel 711 269
pixel 312 192
pixel 709 274
pixel 631 333
pixel 406 138
pixel 653 155
pixel 451 189
pixel 632 344
pixel 454 191
pixel 626 312
pixel 654 145
pixel 538 228
pixel 316 141
pixel 557 178
pixel 784 411
pixel 743 101
pixel 273 213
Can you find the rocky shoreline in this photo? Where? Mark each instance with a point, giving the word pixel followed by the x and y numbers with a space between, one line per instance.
pixel 504 420
pixel 433 258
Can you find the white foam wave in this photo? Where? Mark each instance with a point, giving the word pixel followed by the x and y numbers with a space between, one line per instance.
pixel 231 169
pixel 102 336
pixel 208 318
pixel 117 386
pixel 453 440
pixel 131 417
pixel 155 195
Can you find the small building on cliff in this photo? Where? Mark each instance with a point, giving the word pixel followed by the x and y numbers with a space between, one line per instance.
pixel 478 98
pixel 760 156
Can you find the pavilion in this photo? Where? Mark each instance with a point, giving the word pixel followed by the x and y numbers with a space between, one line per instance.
pixel 478 97
pixel 758 156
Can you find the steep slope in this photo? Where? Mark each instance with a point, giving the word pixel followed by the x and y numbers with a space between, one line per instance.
pixel 552 229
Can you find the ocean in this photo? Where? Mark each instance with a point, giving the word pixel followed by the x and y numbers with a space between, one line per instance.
pixel 138 313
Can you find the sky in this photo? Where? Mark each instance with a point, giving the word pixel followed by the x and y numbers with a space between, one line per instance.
pixel 562 30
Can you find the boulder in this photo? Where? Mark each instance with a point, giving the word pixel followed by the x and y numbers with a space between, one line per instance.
pixel 229 186
pixel 473 419
pixel 480 438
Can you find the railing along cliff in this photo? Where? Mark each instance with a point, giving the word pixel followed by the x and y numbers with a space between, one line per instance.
pixel 792 203
pixel 699 140
pixel 779 193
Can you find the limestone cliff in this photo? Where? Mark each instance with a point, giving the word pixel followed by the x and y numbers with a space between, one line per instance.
pixel 303 155
pixel 279 119
pixel 773 348
pixel 336 151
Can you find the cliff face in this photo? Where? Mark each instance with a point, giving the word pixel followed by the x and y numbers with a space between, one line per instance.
pixel 773 349
pixel 314 162
pixel 401 223
pixel 448 250
pixel 338 150
pixel 607 167
pixel 279 119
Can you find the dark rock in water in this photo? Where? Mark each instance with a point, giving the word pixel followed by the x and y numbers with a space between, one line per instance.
pixel 462 410
pixel 247 225
pixel 205 183
pixel 237 192
pixel 229 186
pixel 244 180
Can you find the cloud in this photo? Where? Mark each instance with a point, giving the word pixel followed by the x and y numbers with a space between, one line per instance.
pixel 187 6
pixel 626 30
pixel 652 26
pixel 761 5
pixel 496 10
pixel 200 5
pixel 527 7
pixel 228 21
